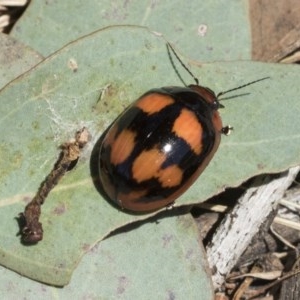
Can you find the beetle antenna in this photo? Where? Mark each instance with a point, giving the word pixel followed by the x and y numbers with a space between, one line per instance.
pixel 174 67
pixel 242 86
pixel 182 64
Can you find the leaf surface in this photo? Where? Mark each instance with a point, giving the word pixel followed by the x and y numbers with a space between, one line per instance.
pixel 44 107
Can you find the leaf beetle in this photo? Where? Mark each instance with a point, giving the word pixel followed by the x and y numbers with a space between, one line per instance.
pixel 155 150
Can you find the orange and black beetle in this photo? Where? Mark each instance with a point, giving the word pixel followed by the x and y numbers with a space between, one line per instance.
pixel 159 146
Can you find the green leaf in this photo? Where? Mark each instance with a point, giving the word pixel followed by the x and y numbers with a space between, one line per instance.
pixel 211 30
pixel 44 107
pixel 15 58
pixel 163 260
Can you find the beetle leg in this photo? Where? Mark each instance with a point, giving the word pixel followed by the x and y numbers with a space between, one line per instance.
pixel 227 129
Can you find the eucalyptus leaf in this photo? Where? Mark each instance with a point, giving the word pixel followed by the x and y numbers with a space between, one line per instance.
pixel 162 260
pixel 205 30
pixel 15 58
pixel 45 106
